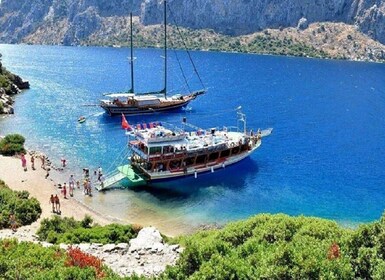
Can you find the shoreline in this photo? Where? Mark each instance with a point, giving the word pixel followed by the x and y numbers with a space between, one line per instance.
pixel 34 181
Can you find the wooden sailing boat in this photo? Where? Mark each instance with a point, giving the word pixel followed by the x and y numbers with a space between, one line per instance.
pixel 131 103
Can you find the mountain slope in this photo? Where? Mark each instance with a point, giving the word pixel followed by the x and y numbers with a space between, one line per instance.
pixel 79 22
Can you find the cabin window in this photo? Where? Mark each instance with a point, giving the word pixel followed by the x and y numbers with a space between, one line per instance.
pixel 189 161
pixel 235 151
pixel 155 150
pixel 175 164
pixel 201 159
pixel 160 166
pixel 225 153
pixel 168 149
pixel 213 156
pixel 244 147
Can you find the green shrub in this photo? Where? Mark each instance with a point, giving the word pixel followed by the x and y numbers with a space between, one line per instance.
pixel 12 144
pixel 31 261
pixel 27 210
pixel 67 230
pixel 265 247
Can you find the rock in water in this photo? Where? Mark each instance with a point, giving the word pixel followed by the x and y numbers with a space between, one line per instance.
pixel 302 24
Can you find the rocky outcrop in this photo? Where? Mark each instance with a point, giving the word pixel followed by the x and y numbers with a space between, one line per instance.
pixel 145 255
pixel 5 103
pixel 11 84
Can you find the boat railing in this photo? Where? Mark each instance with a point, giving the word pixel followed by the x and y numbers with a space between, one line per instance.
pixel 140 152
pixel 159 139
pixel 231 128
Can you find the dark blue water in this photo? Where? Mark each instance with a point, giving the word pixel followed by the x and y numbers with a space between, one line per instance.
pixel 325 157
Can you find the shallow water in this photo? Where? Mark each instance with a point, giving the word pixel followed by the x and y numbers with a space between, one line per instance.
pixel 325 157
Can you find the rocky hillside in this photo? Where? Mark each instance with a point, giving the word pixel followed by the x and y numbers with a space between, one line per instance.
pixel 324 28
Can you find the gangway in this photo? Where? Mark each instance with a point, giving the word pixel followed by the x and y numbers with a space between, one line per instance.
pixel 122 172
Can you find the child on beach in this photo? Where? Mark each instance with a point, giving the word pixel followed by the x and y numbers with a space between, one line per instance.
pixel 47 173
pixel 78 184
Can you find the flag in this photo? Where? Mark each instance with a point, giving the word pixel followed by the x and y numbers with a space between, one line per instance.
pixel 125 124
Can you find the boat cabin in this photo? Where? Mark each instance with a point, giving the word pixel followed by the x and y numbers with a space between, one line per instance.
pixel 159 149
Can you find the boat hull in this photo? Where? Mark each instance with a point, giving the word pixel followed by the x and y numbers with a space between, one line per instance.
pixel 210 167
pixel 129 110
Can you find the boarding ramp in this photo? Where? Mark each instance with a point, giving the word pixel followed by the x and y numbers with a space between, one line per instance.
pixel 122 172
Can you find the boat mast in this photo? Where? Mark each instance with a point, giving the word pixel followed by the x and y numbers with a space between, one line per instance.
pixel 165 47
pixel 132 56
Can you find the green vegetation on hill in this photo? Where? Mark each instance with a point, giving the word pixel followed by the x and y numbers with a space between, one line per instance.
pixel 283 247
pixel 261 247
pixel 27 210
pixel 12 144
pixel 183 38
pixel 5 79
pixel 31 261
pixel 69 231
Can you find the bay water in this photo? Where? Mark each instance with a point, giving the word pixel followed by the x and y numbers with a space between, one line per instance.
pixel 325 158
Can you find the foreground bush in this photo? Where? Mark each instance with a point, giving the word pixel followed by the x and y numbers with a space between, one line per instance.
pixel 283 247
pixel 68 230
pixel 31 261
pixel 12 144
pixel 27 210
pixel 262 247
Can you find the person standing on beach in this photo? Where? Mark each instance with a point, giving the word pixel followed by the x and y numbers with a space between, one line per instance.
pixel 86 173
pixel 64 190
pixel 71 181
pixel 52 201
pixel 57 204
pixel 23 162
pixel 71 189
pixel 102 179
pixel 33 162
pixel 85 187
pixel 63 161
pixel 42 157
pixel 99 173
pixel 47 174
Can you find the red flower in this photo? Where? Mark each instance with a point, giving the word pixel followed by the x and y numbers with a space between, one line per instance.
pixel 334 251
pixel 76 257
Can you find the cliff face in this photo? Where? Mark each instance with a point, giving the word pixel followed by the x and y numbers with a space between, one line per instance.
pixel 239 17
pixel 71 21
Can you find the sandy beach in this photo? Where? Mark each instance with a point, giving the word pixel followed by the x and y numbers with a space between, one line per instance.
pixel 34 181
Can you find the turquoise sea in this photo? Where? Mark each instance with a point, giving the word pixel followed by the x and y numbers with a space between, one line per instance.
pixel 325 158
